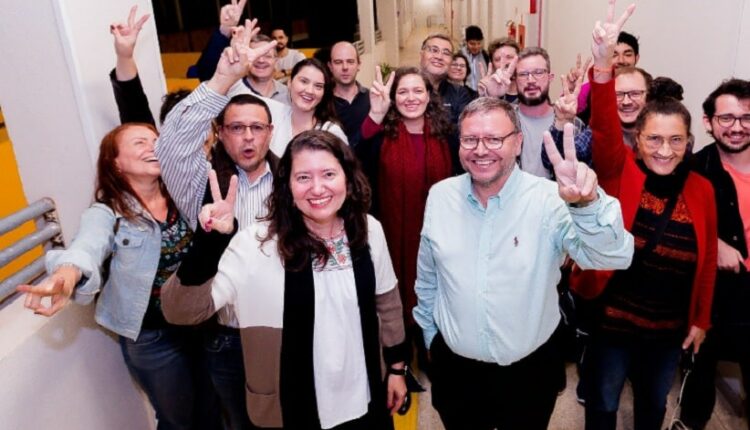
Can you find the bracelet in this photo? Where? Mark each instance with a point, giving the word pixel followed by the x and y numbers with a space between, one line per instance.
pixel 397 372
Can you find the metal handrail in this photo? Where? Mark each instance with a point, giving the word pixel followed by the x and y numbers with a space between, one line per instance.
pixel 48 231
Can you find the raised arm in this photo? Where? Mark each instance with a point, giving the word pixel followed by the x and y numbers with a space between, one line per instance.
pixel 132 103
pixel 609 151
pixel 229 17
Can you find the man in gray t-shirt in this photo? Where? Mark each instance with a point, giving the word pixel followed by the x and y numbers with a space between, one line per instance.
pixel 286 57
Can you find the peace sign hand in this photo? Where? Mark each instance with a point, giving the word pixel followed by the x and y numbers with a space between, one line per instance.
pixel 497 83
pixel 566 107
pixel 605 35
pixel 576 181
pixel 219 215
pixel 577 73
pixel 380 96
pixel 127 34
pixel 229 16
pixel 236 59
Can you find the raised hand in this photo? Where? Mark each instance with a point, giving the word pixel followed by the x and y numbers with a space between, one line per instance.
pixel 576 181
pixel 380 96
pixel 498 82
pixel 58 286
pixel 576 73
pixel 236 59
pixel 219 215
pixel 127 34
pixel 605 35
pixel 566 107
pixel 229 16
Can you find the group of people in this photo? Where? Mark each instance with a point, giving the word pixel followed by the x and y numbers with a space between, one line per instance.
pixel 270 259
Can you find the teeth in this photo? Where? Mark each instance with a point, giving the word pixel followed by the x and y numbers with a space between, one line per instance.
pixel 483 162
pixel 319 201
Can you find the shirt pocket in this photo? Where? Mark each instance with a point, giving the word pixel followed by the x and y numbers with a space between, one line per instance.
pixel 128 249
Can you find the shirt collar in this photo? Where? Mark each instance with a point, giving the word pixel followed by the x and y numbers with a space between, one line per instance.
pixel 242 175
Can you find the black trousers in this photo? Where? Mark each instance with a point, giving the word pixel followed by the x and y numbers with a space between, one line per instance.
pixel 722 343
pixel 470 394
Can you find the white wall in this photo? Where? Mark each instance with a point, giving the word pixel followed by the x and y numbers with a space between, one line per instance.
pixel 695 42
pixel 64 373
pixel 426 8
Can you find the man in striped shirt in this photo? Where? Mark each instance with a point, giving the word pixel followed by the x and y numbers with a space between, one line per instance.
pixel 244 131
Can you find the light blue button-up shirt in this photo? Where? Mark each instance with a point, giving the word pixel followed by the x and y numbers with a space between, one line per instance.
pixel 487 277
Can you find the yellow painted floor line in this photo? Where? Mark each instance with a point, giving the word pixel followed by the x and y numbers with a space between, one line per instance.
pixel 408 421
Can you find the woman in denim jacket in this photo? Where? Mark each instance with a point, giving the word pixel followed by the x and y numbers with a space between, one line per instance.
pixel 136 225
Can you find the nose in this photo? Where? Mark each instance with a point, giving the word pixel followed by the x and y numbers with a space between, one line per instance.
pixel 665 150
pixel 248 134
pixel 481 149
pixel 317 186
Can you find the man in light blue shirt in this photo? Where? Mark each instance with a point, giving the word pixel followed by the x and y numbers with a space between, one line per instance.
pixel 492 243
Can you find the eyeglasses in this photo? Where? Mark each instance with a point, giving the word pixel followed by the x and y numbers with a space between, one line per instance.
pixel 538 74
pixel 238 129
pixel 654 141
pixel 492 143
pixel 728 120
pixel 434 50
pixel 458 65
pixel 635 95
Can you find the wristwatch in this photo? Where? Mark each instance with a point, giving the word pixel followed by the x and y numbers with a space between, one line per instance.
pixel 398 372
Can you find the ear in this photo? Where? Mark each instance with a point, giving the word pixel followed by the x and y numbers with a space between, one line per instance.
pixel 637 58
pixel 519 144
pixel 707 124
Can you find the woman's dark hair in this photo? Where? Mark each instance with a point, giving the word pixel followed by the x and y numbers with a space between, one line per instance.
pixel 111 186
pixel 296 245
pixel 663 87
pixel 324 111
pixel 435 114
pixel 466 63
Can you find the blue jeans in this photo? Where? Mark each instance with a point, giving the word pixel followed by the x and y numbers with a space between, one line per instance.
pixel 167 364
pixel 223 350
pixel 651 368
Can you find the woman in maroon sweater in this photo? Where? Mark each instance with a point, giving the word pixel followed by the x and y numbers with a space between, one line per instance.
pixel 661 304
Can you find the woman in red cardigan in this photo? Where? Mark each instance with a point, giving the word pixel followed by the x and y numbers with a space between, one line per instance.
pixel 661 305
pixel 405 150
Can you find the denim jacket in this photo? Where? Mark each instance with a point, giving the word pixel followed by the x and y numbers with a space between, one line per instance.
pixel 135 250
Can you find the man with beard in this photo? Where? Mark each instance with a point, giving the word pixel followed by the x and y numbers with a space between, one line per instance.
pixel 726 163
pixel 260 77
pixel 631 87
pixel 537 115
pixel 350 99
pixel 286 57
pixel 434 60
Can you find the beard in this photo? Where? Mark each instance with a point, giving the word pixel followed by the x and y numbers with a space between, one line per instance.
pixel 543 97
pixel 732 149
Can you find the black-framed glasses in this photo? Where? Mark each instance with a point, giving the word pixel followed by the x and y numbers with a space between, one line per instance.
pixel 434 50
pixel 536 73
pixel 655 141
pixel 728 120
pixel 238 128
pixel 635 95
pixel 490 142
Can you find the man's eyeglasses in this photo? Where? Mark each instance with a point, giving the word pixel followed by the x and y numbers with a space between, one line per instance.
pixel 238 129
pixel 492 143
pixel 635 95
pixel 458 65
pixel 537 74
pixel 728 120
pixel 434 50
pixel 655 141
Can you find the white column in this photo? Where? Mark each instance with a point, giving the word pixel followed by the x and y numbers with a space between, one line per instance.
pixel 387 19
pixel 367 34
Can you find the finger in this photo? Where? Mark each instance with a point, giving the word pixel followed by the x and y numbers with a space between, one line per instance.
pixel 234 2
pixel 265 48
pixel 204 217
pixel 578 61
pixel 586 66
pixel 625 16
pixel 378 75
pixel 115 30
pixel 598 33
pixel 389 83
pixel 490 69
pixel 569 146
pixel 131 16
pixel 57 304
pixel 565 87
pixel 581 171
pixel 213 183
pixel 482 70
pixel 552 153
pixel 232 191
pixel 588 190
pixel 141 21
pixel 35 301
pixel 512 67
pixel 611 11
pixel 241 5
pixel 689 339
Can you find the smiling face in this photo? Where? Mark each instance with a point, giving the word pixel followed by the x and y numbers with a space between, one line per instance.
pixel 135 154
pixel 503 56
pixel 306 88
pixel 263 67
pixel 247 148
pixel 318 185
pixel 458 69
pixel 624 55
pixel 629 86
pixel 489 169
pixel 662 143
pixel 735 138
pixel 435 57
pixel 411 96
pixel 344 64
pixel 281 39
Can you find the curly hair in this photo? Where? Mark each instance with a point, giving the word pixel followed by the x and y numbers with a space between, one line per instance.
pixel 435 114
pixel 296 245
